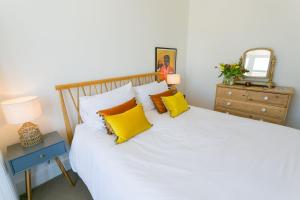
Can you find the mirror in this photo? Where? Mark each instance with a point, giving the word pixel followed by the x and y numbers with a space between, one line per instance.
pixel 257 62
pixel 260 64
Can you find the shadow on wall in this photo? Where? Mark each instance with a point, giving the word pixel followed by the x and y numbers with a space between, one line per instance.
pixel 2 119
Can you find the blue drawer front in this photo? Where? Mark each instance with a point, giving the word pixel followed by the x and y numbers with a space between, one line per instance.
pixel 26 162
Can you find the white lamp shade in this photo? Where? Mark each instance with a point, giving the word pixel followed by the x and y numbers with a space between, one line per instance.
pixel 21 110
pixel 173 79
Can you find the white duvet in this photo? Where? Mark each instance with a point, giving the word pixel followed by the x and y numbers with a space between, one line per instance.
pixel 200 155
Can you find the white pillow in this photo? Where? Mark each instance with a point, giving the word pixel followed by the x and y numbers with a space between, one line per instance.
pixel 90 105
pixel 142 93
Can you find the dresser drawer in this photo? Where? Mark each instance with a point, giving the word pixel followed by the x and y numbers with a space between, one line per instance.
pixel 233 112
pixel 254 108
pixel 232 104
pixel 267 111
pixel 250 115
pixel 269 98
pixel 22 163
pixel 230 93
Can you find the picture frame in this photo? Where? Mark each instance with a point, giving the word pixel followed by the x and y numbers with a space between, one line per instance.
pixel 165 61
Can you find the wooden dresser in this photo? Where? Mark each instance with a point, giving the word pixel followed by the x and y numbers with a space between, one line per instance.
pixel 260 103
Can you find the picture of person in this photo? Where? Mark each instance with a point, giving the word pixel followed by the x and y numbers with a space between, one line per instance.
pixel 165 61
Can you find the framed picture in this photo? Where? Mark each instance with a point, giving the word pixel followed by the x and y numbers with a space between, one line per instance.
pixel 165 61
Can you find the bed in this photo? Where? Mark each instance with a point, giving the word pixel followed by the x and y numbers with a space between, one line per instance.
pixel 201 154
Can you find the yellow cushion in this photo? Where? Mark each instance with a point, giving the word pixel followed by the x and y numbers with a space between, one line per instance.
pixel 128 124
pixel 175 104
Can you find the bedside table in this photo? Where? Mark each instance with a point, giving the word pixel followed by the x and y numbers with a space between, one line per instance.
pixel 22 159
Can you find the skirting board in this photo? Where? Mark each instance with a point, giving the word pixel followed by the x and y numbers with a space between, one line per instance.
pixel 40 174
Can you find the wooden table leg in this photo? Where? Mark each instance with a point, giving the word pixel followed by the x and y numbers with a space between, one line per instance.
pixel 28 183
pixel 63 170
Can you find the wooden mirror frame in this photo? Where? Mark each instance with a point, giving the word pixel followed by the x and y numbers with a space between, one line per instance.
pixel 261 81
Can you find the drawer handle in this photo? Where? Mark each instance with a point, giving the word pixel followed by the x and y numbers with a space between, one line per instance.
pixel 42 156
pixel 263 110
pixel 228 103
pixel 266 98
pixel 229 93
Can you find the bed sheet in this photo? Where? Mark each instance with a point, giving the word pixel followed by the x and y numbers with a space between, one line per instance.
pixel 201 154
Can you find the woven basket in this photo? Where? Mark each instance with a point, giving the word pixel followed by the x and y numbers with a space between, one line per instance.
pixel 30 135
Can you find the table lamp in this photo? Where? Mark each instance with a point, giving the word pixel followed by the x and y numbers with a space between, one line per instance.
pixel 22 111
pixel 173 80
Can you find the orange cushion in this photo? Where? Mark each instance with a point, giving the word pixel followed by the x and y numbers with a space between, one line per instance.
pixel 157 101
pixel 116 110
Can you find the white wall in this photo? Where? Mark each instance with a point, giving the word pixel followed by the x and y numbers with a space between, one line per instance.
pixel 220 31
pixel 43 43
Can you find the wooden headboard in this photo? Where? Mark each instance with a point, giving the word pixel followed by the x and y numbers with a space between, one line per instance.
pixel 70 93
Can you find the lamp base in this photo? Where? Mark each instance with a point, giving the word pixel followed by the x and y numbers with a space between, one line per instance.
pixel 30 134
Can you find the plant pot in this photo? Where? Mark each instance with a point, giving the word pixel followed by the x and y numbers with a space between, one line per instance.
pixel 228 80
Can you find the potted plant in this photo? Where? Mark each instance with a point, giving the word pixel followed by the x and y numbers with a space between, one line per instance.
pixel 231 72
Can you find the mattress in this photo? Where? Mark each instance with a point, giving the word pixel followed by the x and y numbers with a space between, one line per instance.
pixel 201 154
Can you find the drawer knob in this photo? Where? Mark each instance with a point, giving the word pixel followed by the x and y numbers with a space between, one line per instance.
pixel 266 98
pixel 264 110
pixel 42 156
pixel 229 93
pixel 228 103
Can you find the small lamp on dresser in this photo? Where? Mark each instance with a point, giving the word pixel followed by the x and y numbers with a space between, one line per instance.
pixel 22 111
pixel 173 80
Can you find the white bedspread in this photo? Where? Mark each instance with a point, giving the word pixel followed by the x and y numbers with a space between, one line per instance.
pixel 200 155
